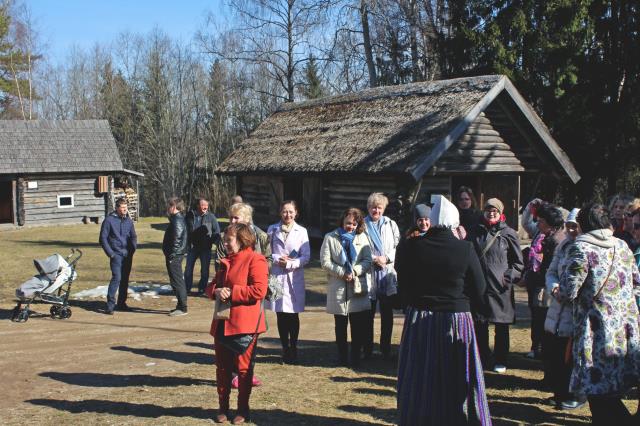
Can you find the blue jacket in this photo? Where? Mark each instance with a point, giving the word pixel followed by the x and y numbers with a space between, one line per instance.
pixel 118 236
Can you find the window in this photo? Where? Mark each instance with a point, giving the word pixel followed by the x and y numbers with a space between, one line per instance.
pixel 65 201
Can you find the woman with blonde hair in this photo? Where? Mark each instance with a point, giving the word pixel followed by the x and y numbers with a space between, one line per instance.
pixel 384 236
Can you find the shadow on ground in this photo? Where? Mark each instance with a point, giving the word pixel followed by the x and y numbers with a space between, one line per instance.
pixel 100 380
pixel 263 417
pixel 175 356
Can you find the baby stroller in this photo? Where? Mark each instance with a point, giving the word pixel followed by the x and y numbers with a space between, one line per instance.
pixel 51 285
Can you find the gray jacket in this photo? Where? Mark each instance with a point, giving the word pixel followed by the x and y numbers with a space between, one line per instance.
pixel 560 314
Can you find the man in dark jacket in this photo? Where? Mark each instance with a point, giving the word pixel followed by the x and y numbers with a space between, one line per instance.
pixel 118 240
pixel 174 247
pixel 202 227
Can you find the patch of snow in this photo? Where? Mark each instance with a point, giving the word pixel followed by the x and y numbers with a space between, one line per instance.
pixel 136 291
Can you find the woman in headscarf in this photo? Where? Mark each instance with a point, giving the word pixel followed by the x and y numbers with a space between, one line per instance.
pixel 346 256
pixel 440 378
pixel 498 248
pixel 384 236
pixel 558 324
pixel 290 251
pixel 600 279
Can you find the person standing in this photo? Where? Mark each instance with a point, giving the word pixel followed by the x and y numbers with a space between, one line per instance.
pixel 346 257
pixel 119 241
pixel 174 247
pixel 384 236
pixel 470 216
pixel 440 378
pixel 202 227
pixel 498 248
pixel 241 281
pixel 290 251
pixel 600 280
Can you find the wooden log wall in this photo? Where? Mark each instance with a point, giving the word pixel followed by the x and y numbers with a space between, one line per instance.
pixel 340 193
pixel 263 193
pixel 41 204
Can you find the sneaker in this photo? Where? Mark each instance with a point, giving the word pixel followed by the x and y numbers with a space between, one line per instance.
pixel 108 311
pixel 499 368
pixel 177 313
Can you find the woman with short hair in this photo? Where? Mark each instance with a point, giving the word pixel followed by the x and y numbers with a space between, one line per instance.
pixel 290 251
pixel 240 281
pixel 600 279
pixel 346 256
pixel 466 203
pixel 384 236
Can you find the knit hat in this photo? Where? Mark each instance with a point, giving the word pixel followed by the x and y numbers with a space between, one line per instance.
pixel 421 210
pixel 495 203
pixel 573 215
pixel 443 213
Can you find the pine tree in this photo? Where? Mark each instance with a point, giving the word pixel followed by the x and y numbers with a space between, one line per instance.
pixel 313 86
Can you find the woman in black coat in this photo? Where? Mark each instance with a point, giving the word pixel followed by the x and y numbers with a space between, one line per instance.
pixel 498 248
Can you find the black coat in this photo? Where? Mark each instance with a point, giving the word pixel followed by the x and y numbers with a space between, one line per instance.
pixel 438 272
pixel 202 236
pixel 502 266
pixel 175 237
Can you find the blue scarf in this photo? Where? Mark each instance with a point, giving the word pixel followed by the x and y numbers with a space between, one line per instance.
pixel 374 229
pixel 348 254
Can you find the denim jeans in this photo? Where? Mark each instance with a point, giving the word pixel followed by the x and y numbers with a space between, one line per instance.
pixel 204 254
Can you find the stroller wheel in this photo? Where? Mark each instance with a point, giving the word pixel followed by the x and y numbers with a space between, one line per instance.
pixel 65 313
pixel 55 311
pixel 23 316
pixel 15 314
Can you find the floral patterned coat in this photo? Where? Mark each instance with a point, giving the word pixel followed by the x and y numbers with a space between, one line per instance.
pixel 606 339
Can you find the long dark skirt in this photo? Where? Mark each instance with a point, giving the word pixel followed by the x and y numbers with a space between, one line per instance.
pixel 440 379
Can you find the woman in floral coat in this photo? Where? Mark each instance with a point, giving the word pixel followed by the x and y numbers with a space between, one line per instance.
pixel 600 279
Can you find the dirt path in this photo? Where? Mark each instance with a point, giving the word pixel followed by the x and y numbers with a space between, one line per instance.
pixel 147 368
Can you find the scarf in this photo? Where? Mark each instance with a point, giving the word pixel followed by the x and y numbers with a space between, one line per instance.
pixel 488 222
pixel 348 254
pixel 286 229
pixel 374 229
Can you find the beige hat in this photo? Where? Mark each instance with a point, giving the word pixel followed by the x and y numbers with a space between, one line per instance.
pixel 495 203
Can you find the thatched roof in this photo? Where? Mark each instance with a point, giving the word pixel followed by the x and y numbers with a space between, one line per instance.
pixel 396 129
pixel 46 146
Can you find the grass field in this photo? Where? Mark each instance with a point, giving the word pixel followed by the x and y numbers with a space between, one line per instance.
pixel 146 368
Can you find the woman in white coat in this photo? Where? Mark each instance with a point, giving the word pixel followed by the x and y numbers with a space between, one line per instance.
pixel 384 236
pixel 290 251
pixel 346 256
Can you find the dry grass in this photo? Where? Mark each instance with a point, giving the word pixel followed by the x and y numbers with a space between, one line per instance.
pixel 144 368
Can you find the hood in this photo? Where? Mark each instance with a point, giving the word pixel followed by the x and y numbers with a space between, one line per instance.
pixel 443 214
pixel 598 237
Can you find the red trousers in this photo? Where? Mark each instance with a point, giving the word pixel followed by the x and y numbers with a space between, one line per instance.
pixel 226 360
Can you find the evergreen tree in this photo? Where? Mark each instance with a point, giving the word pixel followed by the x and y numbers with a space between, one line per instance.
pixel 313 86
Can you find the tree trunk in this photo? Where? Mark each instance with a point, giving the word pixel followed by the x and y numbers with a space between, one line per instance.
pixel 366 40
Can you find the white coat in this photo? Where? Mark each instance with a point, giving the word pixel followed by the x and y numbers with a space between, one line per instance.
pixel 340 297
pixel 291 277
pixel 390 236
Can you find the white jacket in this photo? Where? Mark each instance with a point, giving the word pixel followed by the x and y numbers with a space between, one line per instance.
pixel 390 236
pixel 340 297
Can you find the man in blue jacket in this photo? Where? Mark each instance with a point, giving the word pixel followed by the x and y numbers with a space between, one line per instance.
pixel 119 241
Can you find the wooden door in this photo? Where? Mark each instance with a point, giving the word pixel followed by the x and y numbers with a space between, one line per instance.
pixel 6 202
pixel 506 188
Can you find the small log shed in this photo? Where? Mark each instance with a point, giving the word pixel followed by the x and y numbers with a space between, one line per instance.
pixel 55 172
pixel 407 141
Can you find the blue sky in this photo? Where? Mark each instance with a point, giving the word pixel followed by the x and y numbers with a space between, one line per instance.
pixel 65 23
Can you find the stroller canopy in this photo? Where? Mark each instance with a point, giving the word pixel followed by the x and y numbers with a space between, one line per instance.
pixel 50 266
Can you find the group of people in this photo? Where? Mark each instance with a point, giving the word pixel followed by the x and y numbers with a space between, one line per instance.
pixel 453 274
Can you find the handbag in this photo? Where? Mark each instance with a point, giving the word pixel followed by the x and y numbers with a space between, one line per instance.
pixel 239 343
pixel 221 310
pixel 275 289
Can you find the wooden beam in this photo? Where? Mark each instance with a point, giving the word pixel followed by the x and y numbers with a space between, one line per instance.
pixel 542 131
pixel 425 163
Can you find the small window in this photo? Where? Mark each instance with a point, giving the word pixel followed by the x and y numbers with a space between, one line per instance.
pixel 65 201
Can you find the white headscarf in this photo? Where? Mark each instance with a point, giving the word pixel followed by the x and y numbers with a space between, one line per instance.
pixel 443 213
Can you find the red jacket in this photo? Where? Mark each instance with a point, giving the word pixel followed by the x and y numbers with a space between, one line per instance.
pixel 246 274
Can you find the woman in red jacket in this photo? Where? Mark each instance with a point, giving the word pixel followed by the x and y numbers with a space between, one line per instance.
pixel 241 280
